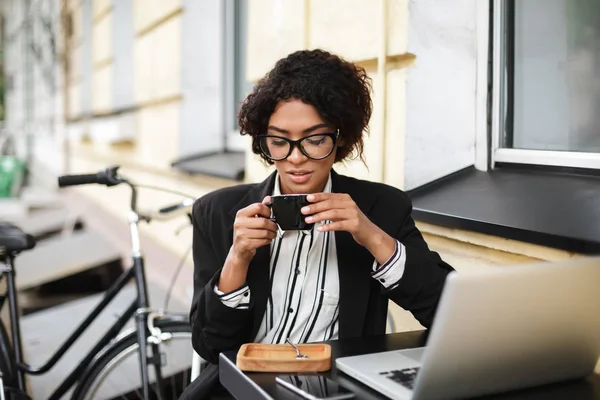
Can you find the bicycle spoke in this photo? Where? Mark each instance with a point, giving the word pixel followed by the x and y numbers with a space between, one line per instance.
pixel 121 365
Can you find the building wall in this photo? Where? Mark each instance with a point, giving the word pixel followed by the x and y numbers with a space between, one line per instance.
pixel 122 42
pixel 426 113
pixel 359 31
pixel 102 57
pixel 424 121
pixel 160 51
pixel 202 81
pixel 78 57
pixel 423 126
pixel 134 88
pixel 440 127
pixel 14 71
pixel 33 80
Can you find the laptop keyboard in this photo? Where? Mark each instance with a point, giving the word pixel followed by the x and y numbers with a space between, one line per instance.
pixel 405 377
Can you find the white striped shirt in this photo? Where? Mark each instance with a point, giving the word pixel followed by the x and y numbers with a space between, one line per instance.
pixel 304 301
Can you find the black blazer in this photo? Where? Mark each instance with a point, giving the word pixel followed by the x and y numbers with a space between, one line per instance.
pixel 363 301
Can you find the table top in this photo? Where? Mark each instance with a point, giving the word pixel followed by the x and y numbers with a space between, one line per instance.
pixel 260 385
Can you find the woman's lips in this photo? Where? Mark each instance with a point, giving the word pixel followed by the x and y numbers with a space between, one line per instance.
pixel 299 177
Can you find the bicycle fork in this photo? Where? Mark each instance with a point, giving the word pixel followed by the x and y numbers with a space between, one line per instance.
pixel 142 314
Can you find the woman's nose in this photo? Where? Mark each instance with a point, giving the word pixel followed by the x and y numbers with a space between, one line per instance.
pixel 296 157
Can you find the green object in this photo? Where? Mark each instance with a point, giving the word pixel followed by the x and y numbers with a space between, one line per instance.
pixel 11 176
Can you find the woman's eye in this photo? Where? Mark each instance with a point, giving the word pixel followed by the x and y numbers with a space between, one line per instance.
pixel 316 142
pixel 279 143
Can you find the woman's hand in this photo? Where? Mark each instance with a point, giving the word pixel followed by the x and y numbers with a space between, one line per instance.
pixel 250 231
pixel 344 214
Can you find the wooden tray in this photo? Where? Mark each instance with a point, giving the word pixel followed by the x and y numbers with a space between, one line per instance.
pixel 282 358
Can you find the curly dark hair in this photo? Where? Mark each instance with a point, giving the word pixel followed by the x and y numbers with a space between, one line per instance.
pixel 339 90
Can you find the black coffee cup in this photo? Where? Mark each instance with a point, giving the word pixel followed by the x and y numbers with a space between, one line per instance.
pixel 285 212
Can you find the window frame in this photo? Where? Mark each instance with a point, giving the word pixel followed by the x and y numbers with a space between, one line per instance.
pixel 499 109
pixel 234 61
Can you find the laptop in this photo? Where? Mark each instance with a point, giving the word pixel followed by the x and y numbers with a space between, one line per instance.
pixel 497 330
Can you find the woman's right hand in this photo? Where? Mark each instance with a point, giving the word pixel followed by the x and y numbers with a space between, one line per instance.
pixel 250 231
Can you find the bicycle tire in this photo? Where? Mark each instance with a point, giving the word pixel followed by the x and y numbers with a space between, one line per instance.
pixel 128 345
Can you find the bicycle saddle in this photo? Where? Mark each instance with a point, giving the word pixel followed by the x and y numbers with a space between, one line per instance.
pixel 13 239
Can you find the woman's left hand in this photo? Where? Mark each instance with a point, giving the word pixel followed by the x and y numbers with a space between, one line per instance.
pixel 344 214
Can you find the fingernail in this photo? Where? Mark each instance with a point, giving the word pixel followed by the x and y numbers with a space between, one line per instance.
pixel 309 219
pixel 305 209
pixel 320 228
pixel 310 197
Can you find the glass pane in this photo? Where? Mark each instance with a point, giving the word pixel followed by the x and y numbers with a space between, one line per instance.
pixel 241 86
pixel 555 84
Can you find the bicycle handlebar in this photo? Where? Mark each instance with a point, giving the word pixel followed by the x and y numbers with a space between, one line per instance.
pixel 107 177
pixel 110 177
pixel 72 180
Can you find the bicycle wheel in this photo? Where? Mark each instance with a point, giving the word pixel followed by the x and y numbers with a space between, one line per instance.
pixel 116 373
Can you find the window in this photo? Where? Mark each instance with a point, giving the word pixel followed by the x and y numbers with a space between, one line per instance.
pixel 85 54
pixel 213 84
pixel 236 85
pixel 122 54
pixel 547 95
pixel 545 59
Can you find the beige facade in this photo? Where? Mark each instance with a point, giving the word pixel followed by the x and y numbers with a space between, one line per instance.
pixel 373 34
pixel 368 33
pixel 146 134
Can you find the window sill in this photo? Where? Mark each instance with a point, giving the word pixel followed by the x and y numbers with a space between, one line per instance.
pixel 556 210
pixel 127 159
pixel 227 164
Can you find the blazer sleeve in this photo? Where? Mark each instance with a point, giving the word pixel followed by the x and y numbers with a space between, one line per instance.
pixel 215 326
pixel 420 288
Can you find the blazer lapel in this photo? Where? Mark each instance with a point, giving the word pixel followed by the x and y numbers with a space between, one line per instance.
pixel 258 270
pixel 354 265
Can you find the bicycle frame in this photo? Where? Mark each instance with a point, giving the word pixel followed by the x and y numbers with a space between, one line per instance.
pixel 139 308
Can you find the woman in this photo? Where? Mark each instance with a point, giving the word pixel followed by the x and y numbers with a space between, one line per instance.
pixel 252 284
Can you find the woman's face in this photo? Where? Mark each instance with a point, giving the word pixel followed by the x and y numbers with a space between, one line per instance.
pixel 295 120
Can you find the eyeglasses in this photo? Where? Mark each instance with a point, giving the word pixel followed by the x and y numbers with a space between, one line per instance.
pixel 315 147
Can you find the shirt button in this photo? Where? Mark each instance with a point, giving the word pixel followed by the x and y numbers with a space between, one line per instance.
pixel 290 310
pixel 382 280
pixel 297 271
pixel 246 294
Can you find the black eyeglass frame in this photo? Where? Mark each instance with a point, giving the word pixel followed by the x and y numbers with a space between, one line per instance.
pixel 296 143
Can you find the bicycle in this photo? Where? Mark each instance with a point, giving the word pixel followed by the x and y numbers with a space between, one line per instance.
pixel 156 331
